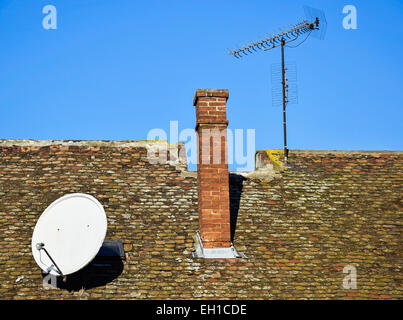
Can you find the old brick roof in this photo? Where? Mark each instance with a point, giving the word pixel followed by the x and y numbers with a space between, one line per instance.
pixel 297 226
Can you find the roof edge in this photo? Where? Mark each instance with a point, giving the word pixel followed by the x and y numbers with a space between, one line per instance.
pixel 84 143
pixel 341 152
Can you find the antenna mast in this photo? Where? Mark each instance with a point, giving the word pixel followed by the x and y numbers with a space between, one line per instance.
pixel 282 39
pixel 284 85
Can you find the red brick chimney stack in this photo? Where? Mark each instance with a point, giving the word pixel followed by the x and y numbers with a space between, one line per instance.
pixel 212 168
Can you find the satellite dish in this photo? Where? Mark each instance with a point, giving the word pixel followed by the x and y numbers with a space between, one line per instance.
pixel 69 234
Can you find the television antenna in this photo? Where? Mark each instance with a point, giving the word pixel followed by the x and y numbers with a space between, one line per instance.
pixel 315 24
pixel 69 234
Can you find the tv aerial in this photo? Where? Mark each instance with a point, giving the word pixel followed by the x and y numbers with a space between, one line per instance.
pixel 69 234
pixel 315 24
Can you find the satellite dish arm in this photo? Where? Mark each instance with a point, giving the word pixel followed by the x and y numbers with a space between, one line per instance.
pixel 41 246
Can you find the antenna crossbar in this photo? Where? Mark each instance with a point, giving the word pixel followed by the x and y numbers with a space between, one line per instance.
pixel 276 40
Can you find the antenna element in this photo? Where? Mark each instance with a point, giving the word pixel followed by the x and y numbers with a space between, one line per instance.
pixel 315 23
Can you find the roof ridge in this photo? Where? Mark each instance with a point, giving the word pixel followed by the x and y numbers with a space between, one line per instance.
pixel 89 143
pixel 346 152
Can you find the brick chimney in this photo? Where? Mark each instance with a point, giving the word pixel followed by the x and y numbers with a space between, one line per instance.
pixel 214 237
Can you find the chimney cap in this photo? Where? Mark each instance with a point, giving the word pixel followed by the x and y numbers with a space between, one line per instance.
pixel 219 93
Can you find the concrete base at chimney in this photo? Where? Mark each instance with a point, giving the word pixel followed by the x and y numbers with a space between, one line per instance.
pixel 214 253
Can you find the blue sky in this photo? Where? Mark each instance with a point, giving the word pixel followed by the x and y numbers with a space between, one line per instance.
pixel 114 70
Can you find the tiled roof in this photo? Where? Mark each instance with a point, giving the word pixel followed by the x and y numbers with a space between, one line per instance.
pixel 298 226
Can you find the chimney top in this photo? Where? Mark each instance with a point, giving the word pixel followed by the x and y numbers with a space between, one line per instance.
pixel 222 93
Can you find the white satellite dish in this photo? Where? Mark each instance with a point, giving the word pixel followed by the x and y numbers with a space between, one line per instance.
pixel 69 234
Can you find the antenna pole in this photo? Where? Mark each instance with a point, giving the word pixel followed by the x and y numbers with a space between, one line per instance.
pixel 284 100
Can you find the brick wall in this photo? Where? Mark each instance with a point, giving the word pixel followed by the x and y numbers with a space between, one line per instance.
pixel 212 168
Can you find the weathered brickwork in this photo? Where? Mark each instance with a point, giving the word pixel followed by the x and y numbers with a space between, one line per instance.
pixel 212 169
pixel 298 228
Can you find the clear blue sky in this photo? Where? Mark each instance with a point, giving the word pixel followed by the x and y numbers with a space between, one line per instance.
pixel 117 69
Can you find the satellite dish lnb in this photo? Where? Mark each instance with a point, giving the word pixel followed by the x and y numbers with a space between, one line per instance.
pixel 69 234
